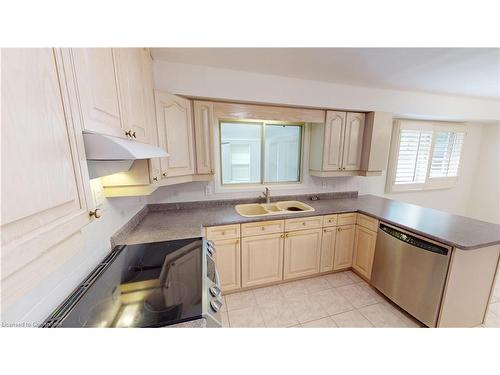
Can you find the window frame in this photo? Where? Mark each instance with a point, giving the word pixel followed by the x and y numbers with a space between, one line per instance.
pixel 258 122
pixel 431 183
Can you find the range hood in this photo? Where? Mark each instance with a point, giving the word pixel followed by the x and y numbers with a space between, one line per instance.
pixel 107 154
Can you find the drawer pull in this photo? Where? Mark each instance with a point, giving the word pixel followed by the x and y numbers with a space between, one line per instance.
pixel 304 223
pixel 263 228
pixel 223 233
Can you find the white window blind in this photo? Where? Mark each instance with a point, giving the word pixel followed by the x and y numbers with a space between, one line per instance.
pixel 446 154
pixel 425 155
pixel 413 156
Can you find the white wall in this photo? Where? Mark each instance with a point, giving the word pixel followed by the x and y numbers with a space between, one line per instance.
pixel 202 81
pixel 484 202
pixel 36 305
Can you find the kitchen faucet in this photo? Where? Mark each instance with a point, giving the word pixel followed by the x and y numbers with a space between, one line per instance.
pixel 267 195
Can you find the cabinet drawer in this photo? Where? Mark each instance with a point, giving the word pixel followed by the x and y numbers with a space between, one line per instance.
pixel 303 223
pixel 347 219
pixel 330 220
pixel 367 222
pixel 262 227
pixel 223 232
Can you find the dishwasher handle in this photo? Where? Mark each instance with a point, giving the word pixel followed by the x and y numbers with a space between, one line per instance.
pixel 413 240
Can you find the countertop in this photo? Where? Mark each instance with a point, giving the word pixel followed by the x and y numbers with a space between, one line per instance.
pixel 453 230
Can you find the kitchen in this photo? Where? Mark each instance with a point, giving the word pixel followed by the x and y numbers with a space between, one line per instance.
pixel 266 200
pixel 244 168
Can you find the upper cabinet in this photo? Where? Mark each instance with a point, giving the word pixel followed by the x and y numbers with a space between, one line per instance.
pixel 353 141
pixel 350 144
pixel 175 130
pixel 48 201
pixel 136 92
pixel 96 86
pixel 203 131
pixel 336 145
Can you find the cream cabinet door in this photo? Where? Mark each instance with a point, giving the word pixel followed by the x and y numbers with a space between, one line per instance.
pixel 353 143
pixel 333 140
pixel 302 253
pixel 43 198
pixel 364 250
pixel 327 249
pixel 136 91
pixel 97 90
pixel 344 244
pixel 175 132
pixel 228 261
pixel 261 259
pixel 203 133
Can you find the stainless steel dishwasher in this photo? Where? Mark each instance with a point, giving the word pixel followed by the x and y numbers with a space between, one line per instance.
pixel 411 271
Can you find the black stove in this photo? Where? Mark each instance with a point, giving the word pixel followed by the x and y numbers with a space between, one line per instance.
pixel 146 285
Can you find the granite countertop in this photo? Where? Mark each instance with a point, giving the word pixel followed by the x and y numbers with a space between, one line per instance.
pixel 170 221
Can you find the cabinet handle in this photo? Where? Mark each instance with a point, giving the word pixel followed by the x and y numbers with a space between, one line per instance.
pixel 304 223
pixel 237 242
pixel 324 230
pixel 211 171
pixel 97 213
pixel 133 135
pixel 263 228
pixel 164 174
pixel 286 235
pixel 155 178
pixel 343 168
pixel 223 233
pixel 282 236
pixel 339 229
pixel 128 133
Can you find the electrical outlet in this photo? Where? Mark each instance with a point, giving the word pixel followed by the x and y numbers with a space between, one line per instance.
pixel 97 191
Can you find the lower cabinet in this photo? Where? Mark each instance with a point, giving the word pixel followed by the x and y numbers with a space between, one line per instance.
pixel 302 253
pixel 344 244
pixel 261 259
pixel 327 249
pixel 228 261
pixel 364 249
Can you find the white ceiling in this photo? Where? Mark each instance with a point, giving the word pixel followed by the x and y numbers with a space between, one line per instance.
pixel 457 71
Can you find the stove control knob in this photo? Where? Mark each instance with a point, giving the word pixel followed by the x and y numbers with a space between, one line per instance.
pixel 216 305
pixel 214 291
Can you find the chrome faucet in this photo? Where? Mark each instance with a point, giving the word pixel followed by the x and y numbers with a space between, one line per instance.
pixel 267 195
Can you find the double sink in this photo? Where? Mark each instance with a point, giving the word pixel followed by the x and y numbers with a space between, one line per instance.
pixel 275 208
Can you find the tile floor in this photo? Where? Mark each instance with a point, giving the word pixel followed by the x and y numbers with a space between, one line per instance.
pixel 335 300
pixel 493 315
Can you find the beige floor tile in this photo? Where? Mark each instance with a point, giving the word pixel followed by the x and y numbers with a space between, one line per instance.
pixel 357 295
pixel 246 318
pixel 339 279
pixel 278 315
pixel 320 323
pixel 225 319
pixel 351 319
pixel 293 288
pixel 306 309
pixel 268 295
pixel 381 315
pixel 332 301
pixel 316 284
pixel 354 277
pixel 240 300
pixel 373 292
pixel 495 308
pixel 407 319
pixel 492 321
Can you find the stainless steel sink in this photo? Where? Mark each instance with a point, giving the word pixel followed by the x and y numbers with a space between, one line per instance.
pixel 276 208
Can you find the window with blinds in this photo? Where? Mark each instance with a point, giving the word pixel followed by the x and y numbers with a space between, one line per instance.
pixel 446 154
pixel 425 156
pixel 413 156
